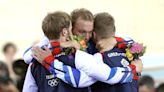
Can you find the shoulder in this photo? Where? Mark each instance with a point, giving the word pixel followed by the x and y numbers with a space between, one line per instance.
pixel 125 39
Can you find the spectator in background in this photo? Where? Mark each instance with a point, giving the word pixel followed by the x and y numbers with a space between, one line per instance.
pixel 146 84
pixel 9 51
pixel 6 84
pixel 4 73
pixel 160 88
pixel 20 68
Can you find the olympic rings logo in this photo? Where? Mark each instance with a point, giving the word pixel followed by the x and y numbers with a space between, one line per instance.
pixel 53 82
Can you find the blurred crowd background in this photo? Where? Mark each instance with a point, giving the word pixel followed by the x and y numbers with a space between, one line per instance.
pixel 20 27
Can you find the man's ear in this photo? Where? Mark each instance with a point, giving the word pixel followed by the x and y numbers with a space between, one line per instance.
pixel 94 35
pixel 64 32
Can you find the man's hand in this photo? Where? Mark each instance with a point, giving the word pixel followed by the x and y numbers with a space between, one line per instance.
pixel 71 44
pixel 40 54
pixel 139 65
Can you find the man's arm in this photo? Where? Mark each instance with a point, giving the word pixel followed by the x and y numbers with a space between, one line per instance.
pixel 105 74
pixel 102 72
pixel 27 56
pixel 68 74
pixel 68 60
pixel 125 72
pixel 29 83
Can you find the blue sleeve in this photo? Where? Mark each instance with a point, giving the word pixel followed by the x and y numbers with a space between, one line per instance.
pixel 97 69
pixel 69 75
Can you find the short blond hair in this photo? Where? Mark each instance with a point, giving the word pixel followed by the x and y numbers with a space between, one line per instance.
pixel 81 13
pixel 53 24
pixel 104 25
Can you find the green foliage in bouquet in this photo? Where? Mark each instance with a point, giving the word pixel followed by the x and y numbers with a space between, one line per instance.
pixel 80 40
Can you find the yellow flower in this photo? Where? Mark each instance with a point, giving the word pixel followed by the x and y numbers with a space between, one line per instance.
pixel 129 54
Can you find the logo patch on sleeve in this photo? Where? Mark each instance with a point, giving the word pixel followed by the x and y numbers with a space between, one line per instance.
pixel 124 62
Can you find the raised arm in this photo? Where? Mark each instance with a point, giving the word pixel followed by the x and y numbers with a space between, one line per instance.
pixel 94 67
pixel 27 56
pixel 66 73
pixel 106 74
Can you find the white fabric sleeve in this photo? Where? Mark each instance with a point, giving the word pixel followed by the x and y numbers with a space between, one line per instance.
pixel 71 75
pixel 27 56
pixel 29 83
pixel 96 68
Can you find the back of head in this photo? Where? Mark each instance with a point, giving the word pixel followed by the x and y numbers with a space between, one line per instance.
pixel 53 24
pixel 148 82
pixel 7 46
pixel 104 26
pixel 9 51
pixel 160 88
pixel 20 67
pixel 81 13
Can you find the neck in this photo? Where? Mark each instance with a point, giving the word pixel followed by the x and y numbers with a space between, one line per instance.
pixel 106 44
pixel 9 59
pixel 60 40
pixel 54 41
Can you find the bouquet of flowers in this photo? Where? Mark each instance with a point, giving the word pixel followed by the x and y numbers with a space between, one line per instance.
pixel 135 50
pixel 80 40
